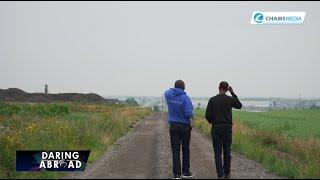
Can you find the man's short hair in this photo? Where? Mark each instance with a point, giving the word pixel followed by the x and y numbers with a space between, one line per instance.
pixel 179 84
pixel 224 85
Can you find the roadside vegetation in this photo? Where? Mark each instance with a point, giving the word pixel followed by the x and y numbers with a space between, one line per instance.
pixel 287 142
pixel 60 126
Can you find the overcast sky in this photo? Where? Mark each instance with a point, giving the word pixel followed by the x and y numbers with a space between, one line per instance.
pixel 141 48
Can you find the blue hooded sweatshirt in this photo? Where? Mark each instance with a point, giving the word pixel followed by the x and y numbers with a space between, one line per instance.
pixel 179 106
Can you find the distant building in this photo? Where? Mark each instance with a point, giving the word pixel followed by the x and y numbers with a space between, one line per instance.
pixel 113 101
pixel 46 89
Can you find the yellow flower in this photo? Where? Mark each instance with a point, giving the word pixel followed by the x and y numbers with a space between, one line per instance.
pixel 31 127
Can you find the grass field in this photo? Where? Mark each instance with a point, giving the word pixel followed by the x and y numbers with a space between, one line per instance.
pixel 287 142
pixel 60 127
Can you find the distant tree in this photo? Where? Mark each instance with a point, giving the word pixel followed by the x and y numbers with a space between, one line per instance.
pixel 131 102
pixel 314 106
pixel 199 106
pixel 156 108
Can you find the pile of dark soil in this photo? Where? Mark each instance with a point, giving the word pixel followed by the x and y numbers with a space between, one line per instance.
pixel 17 95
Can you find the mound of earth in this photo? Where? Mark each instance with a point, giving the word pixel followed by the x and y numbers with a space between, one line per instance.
pixel 18 95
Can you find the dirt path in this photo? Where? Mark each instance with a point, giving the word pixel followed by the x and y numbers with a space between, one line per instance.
pixel 145 153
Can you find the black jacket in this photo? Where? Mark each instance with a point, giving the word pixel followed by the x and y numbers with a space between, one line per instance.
pixel 219 109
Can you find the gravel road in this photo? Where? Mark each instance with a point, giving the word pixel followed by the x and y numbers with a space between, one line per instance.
pixel 145 153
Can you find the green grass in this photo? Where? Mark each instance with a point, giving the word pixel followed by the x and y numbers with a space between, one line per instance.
pixel 292 123
pixel 52 109
pixel 84 127
pixel 287 142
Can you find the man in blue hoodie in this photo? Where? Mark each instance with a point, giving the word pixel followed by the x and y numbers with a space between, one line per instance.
pixel 180 114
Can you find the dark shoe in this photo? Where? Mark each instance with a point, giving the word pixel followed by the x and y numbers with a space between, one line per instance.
pixel 220 177
pixel 187 175
pixel 227 176
pixel 176 176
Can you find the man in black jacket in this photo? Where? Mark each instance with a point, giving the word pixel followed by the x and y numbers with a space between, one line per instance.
pixel 219 114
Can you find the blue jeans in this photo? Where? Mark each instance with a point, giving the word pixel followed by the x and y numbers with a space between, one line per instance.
pixel 222 139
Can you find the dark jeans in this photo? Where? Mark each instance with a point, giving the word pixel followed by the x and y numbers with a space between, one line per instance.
pixel 222 139
pixel 180 134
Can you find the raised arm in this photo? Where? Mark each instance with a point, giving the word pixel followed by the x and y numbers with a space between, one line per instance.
pixel 235 101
